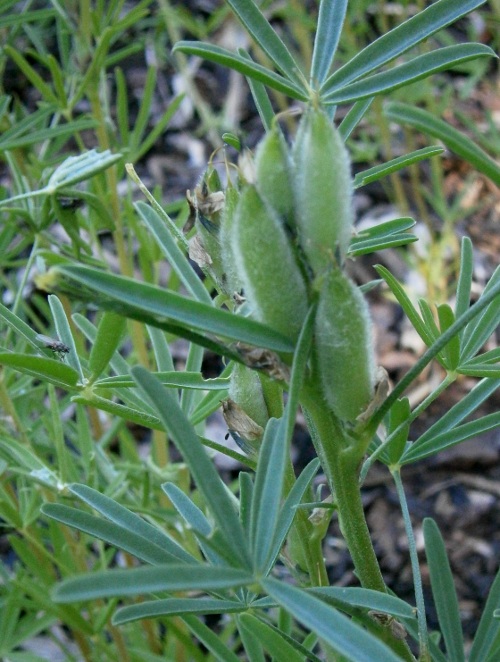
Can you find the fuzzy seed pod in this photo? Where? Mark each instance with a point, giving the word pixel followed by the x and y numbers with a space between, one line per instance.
pixel 245 389
pixel 274 174
pixel 323 191
pixel 232 280
pixel 272 281
pixel 344 347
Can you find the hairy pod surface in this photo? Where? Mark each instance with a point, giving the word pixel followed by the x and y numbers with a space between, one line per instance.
pixel 273 168
pixel 231 280
pixel 272 281
pixel 322 186
pixel 245 389
pixel 344 347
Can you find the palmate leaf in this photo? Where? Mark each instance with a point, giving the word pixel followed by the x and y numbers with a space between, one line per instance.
pixel 399 40
pixel 486 303
pixel 417 68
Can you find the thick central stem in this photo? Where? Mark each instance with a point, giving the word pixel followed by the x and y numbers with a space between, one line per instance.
pixel 342 472
pixel 340 457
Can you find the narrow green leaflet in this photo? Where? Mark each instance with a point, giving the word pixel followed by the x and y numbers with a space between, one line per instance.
pixel 109 335
pixel 260 97
pixel 173 253
pixel 202 469
pixel 453 139
pixel 488 632
pixel 76 169
pixel 407 306
pixel 443 592
pixel 22 329
pixel 128 520
pixel 399 40
pixel 480 329
pixel 461 410
pixel 259 27
pixel 464 279
pixel 174 607
pixel 48 370
pixel 62 131
pixel 191 514
pixel 139 581
pixel 140 416
pixel 271 639
pixel 366 598
pixel 420 450
pixel 141 300
pixel 377 172
pixel 21 18
pixel 338 631
pixel 353 117
pixel 210 639
pixel 244 66
pixel 417 68
pixel 330 21
pixel 383 235
pixel 175 379
pixel 451 352
pixel 267 492
pixel 288 511
pixel 113 534
pixel 65 334
pixel 21 457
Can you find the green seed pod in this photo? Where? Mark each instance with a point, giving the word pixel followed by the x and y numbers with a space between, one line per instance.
pixel 232 280
pixel 245 389
pixel 323 191
pixel 273 168
pixel 344 347
pixel 272 281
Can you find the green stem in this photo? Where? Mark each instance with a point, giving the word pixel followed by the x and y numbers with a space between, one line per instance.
pixel 341 467
pixel 312 550
pixel 417 578
pixel 340 456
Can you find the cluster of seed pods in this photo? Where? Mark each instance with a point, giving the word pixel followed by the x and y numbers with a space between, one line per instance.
pixel 283 237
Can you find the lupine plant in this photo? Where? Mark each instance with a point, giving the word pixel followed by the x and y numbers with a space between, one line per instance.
pixel 276 301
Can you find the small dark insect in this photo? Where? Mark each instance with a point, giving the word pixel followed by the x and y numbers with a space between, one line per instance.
pixel 55 345
pixel 70 204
